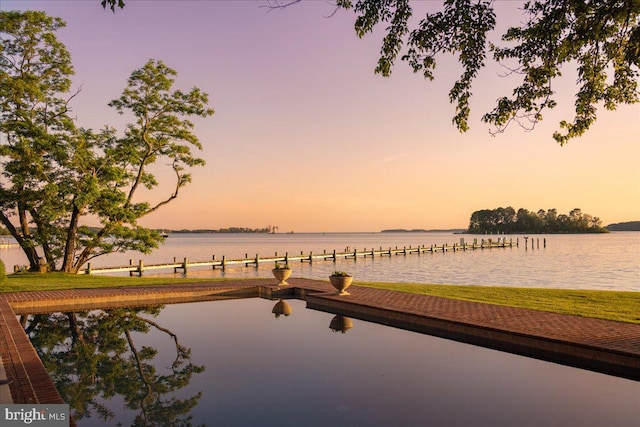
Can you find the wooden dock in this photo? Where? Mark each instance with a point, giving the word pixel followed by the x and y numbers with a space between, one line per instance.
pixel 6 244
pixel 184 265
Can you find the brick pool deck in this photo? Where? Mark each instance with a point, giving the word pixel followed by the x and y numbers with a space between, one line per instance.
pixel 603 346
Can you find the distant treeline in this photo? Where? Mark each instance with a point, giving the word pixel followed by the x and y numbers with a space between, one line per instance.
pixel 421 230
pixel 624 226
pixel 268 229
pixel 507 220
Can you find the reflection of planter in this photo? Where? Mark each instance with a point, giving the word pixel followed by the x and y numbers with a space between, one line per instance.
pixel 340 324
pixel 341 283
pixel 281 274
pixel 281 307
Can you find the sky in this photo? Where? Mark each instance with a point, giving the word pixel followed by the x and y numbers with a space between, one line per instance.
pixel 307 138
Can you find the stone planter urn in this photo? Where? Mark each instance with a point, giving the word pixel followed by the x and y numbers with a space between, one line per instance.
pixel 341 281
pixel 281 274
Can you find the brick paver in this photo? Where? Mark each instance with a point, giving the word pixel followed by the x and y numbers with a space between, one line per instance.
pixel 615 336
pixel 605 346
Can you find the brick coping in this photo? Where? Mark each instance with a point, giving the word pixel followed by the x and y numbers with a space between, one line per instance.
pixel 599 345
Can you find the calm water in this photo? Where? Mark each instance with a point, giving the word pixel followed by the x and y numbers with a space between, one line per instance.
pixel 260 370
pixel 602 261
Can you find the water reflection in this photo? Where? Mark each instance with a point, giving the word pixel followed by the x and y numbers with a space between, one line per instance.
pixel 93 357
pixel 340 324
pixel 118 366
pixel 281 308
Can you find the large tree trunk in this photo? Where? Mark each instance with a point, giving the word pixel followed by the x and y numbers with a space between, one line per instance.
pixel 68 265
pixel 43 238
pixel 27 247
pixel 88 248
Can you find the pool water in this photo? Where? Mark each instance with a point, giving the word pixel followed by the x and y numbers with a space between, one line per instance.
pixel 236 363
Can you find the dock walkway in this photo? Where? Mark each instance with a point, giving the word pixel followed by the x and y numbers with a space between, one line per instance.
pixel 599 345
pixel 184 264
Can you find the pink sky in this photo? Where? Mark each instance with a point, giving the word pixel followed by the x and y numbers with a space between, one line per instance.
pixel 307 138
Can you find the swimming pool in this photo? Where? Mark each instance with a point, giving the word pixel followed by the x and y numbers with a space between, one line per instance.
pixel 236 363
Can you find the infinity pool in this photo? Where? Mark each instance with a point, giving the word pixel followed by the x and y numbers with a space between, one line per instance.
pixel 236 363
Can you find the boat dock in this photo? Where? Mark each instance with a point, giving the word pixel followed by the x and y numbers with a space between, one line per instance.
pixel 184 264
pixel 6 243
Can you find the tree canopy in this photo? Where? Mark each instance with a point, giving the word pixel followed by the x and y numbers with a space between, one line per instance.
pixel 507 220
pixel 69 194
pixel 600 39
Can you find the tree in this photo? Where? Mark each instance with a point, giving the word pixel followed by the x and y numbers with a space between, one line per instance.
pixel 60 175
pixel 601 39
pixel 34 69
pixel 481 221
pixel 506 220
pixel 528 222
pixel 551 220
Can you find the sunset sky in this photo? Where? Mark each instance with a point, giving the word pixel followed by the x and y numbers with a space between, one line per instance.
pixel 307 138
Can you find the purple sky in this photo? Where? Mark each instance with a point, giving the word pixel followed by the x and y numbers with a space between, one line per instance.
pixel 307 138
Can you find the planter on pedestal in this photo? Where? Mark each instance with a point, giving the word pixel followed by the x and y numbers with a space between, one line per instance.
pixel 341 282
pixel 281 274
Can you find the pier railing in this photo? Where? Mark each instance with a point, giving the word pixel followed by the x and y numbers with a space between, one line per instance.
pixel 184 265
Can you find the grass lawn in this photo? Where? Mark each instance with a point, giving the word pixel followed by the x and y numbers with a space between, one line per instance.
pixel 54 281
pixel 609 305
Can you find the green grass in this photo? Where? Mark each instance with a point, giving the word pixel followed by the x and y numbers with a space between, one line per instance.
pixel 610 305
pixel 55 281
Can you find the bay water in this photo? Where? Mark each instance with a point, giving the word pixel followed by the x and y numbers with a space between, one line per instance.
pixel 578 261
